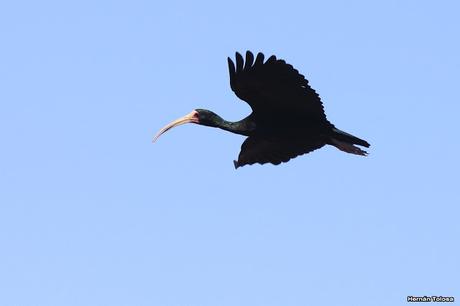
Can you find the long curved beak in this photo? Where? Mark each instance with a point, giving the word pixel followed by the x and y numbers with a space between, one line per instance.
pixel 189 118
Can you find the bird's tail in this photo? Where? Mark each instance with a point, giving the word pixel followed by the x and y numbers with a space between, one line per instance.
pixel 345 142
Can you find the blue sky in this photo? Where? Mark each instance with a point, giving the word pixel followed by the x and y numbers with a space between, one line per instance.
pixel 93 213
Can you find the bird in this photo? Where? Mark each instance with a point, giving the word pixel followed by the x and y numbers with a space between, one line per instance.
pixel 287 119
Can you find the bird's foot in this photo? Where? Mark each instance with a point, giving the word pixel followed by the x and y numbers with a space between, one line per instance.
pixel 348 147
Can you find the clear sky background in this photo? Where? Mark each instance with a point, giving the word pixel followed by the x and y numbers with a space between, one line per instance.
pixel 93 213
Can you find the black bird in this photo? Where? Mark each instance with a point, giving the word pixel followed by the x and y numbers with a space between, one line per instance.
pixel 287 118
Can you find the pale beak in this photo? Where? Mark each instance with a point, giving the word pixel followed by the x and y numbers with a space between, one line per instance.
pixel 190 118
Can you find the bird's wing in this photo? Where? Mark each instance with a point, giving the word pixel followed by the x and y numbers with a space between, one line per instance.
pixel 262 150
pixel 273 87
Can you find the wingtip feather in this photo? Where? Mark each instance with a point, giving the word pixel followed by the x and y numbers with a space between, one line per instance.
pixel 259 59
pixel 249 60
pixel 239 62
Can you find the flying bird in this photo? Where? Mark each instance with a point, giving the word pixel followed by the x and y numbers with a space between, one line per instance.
pixel 287 118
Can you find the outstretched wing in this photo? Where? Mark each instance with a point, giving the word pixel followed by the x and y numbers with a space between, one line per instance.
pixel 273 87
pixel 260 150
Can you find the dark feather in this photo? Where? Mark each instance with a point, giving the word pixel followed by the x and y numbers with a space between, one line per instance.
pixel 249 60
pixel 231 68
pixel 274 88
pixel 259 59
pixel 263 150
pixel 239 63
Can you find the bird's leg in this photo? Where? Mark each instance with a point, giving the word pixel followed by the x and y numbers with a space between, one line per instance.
pixel 347 147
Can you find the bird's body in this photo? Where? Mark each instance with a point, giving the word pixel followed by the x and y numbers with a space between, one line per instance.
pixel 287 116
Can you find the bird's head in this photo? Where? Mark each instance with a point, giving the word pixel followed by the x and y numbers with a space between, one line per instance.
pixel 197 116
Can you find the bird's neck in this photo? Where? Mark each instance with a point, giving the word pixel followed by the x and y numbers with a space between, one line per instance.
pixel 242 127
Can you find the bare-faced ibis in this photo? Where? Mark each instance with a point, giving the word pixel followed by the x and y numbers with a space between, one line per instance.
pixel 287 118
